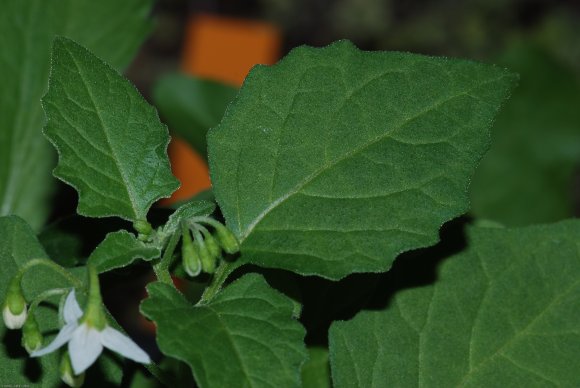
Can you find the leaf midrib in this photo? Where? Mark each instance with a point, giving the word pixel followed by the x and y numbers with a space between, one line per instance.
pixel 252 225
pixel 126 184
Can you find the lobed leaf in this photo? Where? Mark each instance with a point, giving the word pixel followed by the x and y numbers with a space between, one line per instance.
pixel 506 312
pixel 27 28
pixel 246 336
pixel 337 160
pixel 112 146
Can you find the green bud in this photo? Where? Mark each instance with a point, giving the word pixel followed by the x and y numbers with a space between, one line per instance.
pixel 207 260
pixel 14 311
pixel 31 336
pixel 67 374
pixel 227 240
pixel 189 255
pixel 212 245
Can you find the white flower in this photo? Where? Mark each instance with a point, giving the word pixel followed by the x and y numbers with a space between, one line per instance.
pixel 14 321
pixel 85 342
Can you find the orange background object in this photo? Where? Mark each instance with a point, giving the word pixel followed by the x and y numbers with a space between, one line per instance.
pixel 223 49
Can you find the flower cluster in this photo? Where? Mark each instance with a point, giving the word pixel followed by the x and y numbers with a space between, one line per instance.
pixel 85 332
pixel 203 252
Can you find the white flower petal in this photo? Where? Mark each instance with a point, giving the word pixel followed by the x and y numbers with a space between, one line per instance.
pixel 120 343
pixel 72 311
pixel 84 348
pixel 63 336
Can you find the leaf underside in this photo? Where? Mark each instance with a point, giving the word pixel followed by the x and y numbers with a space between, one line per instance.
pixel 112 147
pixel 336 160
pixel 504 313
pixel 246 337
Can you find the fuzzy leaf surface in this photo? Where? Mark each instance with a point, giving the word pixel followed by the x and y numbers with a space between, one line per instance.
pixel 191 106
pixel 119 249
pixel 506 312
pixel 18 245
pixel 112 146
pixel 245 337
pixel 27 28
pixel 337 160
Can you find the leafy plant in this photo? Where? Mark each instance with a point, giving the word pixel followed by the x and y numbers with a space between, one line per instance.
pixel 326 167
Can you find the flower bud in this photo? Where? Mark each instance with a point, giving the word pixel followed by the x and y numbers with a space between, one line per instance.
pixel 14 311
pixel 67 374
pixel 212 245
pixel 207 260
pixel 190 256
pixel 31 336
pixel 227 240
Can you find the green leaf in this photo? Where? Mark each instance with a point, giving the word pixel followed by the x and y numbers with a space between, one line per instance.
pixel 527 177
pixel 245 337
pixel 336 160
pixel 113 29
pixel 112 146
pixel 316 371
pixel 119 249
pixel 18 245
pixel 504 313
pixel 190 106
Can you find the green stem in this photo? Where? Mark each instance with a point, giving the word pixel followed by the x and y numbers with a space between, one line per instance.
pixel 206 220
pixel 52 265
pixel 161 269
pixel 44 296
pixel 219 278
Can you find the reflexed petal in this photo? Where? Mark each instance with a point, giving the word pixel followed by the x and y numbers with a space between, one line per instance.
pixel 63 336
pixel 84 348
pixel 72 311
pixel 120 343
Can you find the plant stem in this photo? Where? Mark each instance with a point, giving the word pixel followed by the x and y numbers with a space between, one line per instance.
pixel 161 269
pixel 220 276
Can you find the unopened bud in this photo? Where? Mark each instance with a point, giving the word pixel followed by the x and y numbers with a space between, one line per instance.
pixel 14 311
pixel 31 336
pixel 207 260
pixel 227 240
pixel 189 255
pixel 212 245
pixel 67 374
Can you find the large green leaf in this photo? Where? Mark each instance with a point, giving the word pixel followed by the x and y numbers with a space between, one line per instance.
pixel 112 146
pixel 18 245
pixel 505 313
pixel 190 106
pixel 113 29
pixel 336 160
pixel 246 336
pixel 528 175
